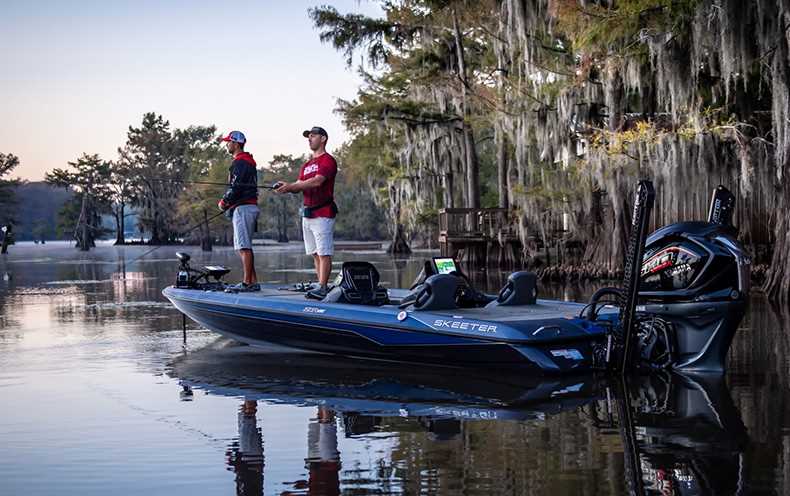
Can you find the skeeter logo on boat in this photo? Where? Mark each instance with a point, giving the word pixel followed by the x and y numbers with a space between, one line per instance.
pixel 313 310
pixel 454 324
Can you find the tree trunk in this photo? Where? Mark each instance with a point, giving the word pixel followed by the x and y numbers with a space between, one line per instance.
pixel 777 284
pixel 399 245
pixel 120 238
pixel 282 222
pixel 155 231
pixel 500 134
pixel 449 190
pixel 472 166
pixel 205 243
pixel 82 243
pixel 501 167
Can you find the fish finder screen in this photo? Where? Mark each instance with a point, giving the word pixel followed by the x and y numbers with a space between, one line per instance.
pixel 444 265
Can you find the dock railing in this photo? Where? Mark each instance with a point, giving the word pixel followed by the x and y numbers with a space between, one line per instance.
pixel 470 231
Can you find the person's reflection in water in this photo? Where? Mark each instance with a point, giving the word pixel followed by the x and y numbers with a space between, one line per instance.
pixel 245 456
pixel 323 457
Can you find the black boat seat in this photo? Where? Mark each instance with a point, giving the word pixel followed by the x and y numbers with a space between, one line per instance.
pixel 359 284
pixel 438 292
pixel 521 288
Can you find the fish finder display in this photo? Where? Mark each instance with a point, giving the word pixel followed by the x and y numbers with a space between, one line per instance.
pixel 444 265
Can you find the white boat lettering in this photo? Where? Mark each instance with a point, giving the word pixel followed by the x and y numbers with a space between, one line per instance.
pixel 313 310
pixel 454 324
pixel 570 354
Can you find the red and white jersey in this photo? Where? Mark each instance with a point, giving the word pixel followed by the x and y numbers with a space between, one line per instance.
pixel 323 165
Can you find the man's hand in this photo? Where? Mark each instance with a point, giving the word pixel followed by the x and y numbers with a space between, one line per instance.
pixel 282 187
pixel 222 205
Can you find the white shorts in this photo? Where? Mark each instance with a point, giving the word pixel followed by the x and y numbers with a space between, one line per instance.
pixel 319 235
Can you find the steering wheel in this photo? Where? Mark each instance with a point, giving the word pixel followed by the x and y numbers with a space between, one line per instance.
pixel 465 294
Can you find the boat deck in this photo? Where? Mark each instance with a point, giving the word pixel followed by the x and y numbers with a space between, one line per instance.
pixel 543 309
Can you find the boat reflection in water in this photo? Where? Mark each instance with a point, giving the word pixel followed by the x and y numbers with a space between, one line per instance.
pixel 675 434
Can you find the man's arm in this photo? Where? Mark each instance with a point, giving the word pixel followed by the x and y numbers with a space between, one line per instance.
pixel 297 186
pixel 233 192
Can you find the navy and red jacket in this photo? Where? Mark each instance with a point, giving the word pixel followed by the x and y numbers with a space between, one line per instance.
pixel 243 181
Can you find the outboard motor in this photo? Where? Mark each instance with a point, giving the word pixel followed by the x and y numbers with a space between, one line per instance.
pixel 693 289
pixel 695 282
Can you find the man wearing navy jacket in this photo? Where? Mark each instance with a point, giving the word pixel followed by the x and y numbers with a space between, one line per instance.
pixel 241 199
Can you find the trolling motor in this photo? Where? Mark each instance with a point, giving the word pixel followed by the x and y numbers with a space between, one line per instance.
pixel 681 307
pixel 189 278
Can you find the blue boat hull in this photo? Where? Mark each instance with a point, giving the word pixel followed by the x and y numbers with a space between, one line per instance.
pixel 551 341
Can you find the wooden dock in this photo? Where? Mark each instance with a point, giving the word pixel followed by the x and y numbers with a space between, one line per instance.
pixel 479 236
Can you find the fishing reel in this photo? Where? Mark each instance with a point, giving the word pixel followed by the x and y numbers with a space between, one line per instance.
pixel 207 278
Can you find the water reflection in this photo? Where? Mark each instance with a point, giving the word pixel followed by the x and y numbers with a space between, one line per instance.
pixel 672 434
pixel 245 455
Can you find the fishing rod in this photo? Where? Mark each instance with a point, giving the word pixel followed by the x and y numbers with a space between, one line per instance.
pixel 209 183
pixel 200 224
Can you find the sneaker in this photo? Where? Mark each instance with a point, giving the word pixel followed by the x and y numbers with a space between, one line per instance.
pixel 243 288
pixel 317 294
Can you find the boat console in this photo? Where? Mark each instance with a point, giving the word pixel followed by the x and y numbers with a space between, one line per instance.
pixel 441 285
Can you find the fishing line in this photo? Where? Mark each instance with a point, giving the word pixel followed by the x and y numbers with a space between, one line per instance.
pixel 200 224
pixel 209 183
pixel 205 221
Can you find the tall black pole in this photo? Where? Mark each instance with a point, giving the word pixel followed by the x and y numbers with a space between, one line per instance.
pixel 643 204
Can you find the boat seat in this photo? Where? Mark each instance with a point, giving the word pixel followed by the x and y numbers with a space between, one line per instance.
pixel 438 292
pixel 521 288
pixel 359 285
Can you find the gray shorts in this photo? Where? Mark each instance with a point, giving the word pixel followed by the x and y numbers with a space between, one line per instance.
pixel 244 219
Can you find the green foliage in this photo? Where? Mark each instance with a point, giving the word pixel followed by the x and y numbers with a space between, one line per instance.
pixel 159 160
pixel 39 210
pixel 602 29
pixel 90 178
pixel 208 161
pixel 350 32
pixel 280 213
pixel 8 162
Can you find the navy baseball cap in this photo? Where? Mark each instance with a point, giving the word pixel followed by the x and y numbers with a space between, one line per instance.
pixel 236 137
pixel 315 130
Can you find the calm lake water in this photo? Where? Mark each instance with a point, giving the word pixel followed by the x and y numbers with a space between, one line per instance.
pixel 100 394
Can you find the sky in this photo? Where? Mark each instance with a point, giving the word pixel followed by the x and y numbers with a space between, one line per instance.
pixel 74 75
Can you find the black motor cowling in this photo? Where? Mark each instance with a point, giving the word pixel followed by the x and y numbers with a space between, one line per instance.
pixel 695 280
pixel 694 262
pixel 679 307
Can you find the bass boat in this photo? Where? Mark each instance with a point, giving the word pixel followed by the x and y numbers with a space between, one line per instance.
pixel 684 293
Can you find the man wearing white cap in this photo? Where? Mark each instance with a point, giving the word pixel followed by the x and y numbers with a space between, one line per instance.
pixel 241 199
